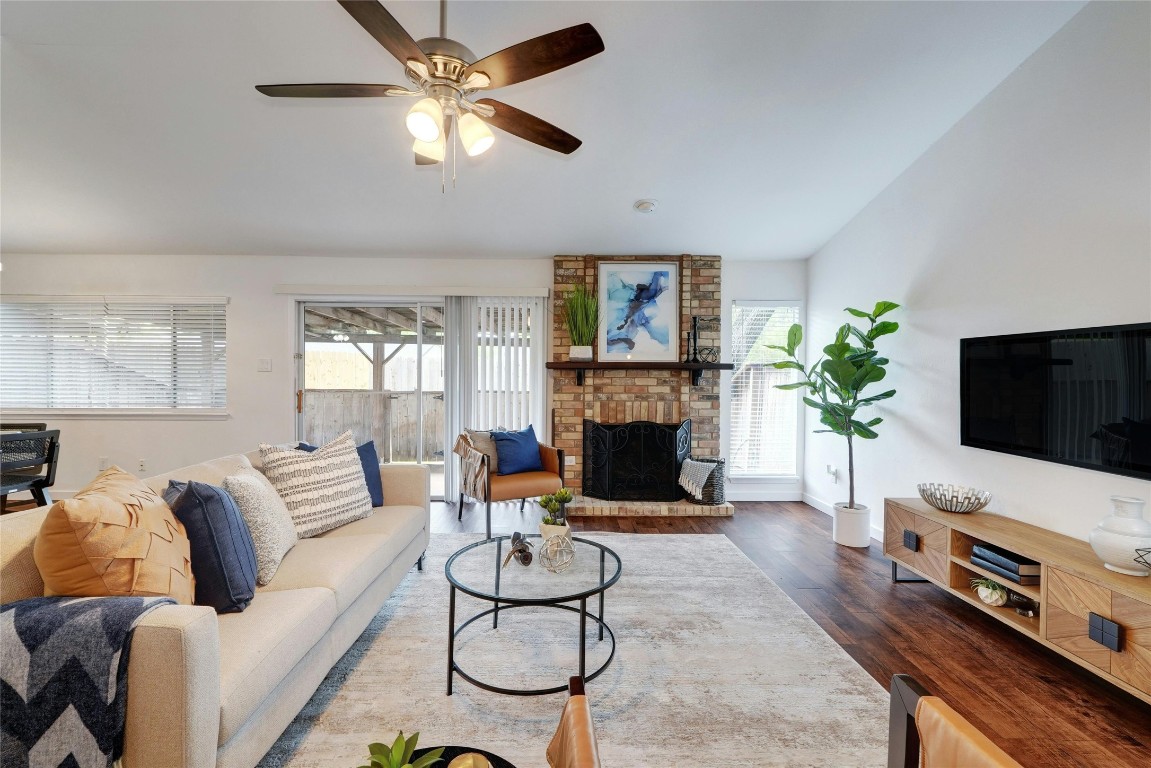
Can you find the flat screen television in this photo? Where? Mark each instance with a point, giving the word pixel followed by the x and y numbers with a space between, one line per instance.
pixel 1080 397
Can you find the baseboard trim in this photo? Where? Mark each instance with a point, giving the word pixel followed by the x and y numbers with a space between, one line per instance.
pixel 829 510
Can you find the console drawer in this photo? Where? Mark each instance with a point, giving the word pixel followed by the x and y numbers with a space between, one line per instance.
pixel 930 556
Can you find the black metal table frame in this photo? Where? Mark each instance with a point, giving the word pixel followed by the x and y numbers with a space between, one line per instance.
pixel 503 603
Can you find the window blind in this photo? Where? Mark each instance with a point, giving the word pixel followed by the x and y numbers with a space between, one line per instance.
pixel 509 363
pixel 763 433
pixel 109 352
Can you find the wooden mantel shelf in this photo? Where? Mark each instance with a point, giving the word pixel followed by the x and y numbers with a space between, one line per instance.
pixel 696 369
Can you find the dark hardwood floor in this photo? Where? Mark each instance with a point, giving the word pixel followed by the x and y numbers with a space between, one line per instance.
pixel 1043 710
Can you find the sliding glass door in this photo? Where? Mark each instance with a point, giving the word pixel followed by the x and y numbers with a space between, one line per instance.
pixel 376 369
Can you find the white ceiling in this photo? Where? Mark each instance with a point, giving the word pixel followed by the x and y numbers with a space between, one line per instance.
pixel 761 127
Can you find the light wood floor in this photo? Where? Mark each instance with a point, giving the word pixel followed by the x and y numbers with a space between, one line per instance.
pixel 1042 709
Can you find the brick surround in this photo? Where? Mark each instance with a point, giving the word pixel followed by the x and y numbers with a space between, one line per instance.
pixel 619 396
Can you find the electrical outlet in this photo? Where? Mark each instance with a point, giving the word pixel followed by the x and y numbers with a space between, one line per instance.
pixel 569 461
pixel 104 463
pixel 834 474
pixel 141 466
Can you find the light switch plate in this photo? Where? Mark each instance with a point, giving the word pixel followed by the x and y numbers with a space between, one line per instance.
pixel 569 461
pixel 264 365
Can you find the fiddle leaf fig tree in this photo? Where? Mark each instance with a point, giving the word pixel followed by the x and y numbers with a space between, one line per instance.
pixel 836 381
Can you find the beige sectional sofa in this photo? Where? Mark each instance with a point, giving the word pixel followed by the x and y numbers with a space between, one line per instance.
pixel 217 690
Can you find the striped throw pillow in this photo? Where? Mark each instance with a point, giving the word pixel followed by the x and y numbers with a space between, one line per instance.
pixel 323 489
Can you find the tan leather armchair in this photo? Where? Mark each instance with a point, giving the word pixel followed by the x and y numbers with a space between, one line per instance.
pixel 925 732
pixel 480 483
pixel 574 745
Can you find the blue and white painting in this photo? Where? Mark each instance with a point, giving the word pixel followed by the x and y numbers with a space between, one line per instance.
pixel 639 311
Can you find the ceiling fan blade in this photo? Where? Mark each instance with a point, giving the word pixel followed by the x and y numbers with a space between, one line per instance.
pixel 383 26
pixel 333 90
pixel 530 127
pixel 538 56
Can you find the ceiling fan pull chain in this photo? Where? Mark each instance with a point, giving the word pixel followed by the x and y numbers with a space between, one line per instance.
pixel 454 143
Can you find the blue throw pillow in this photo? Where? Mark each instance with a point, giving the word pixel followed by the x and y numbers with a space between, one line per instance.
pixel 518 451
pixel 223 557
pixel 370 461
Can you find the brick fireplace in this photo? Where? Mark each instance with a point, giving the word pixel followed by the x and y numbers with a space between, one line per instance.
pixel 638 394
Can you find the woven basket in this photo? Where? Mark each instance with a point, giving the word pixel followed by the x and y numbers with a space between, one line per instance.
pixel 713 489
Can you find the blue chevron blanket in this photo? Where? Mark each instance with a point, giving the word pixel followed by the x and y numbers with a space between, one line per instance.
pixel 63 679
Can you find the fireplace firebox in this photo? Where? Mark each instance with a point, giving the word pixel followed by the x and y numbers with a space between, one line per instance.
pixel 637 461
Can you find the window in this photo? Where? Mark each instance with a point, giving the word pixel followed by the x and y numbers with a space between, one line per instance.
pixel 98 352
pixel 764 422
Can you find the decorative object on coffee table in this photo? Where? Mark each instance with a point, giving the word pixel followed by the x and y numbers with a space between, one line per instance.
pixel 581 316
pixel 521 550
pixel 1119 536
pixel 557 553
pixel 470 760
pixel 954 498
pixel 835 384
pixel 554 522
pixel 990 592
pixel 639 306
pixel 400 754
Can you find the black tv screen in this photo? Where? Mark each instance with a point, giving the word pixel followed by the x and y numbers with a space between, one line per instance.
pixel 1080 397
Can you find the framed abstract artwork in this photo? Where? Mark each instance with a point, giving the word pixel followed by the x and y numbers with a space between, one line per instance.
pixel 638 311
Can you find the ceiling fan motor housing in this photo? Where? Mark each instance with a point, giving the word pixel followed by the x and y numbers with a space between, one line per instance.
pixel 449 58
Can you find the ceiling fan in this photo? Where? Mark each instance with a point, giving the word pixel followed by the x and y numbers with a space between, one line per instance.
pixel 447 75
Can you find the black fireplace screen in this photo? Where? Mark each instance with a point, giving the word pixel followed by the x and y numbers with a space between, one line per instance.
pixel 637 461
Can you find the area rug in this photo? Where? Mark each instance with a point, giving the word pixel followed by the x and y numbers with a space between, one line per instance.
pixel 714 665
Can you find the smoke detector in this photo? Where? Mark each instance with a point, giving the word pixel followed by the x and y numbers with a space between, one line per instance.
pixel 645 206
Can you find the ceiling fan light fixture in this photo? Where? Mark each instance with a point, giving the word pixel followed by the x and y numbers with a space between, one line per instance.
pixel 425 120
pixel 433 150
pixel 477 138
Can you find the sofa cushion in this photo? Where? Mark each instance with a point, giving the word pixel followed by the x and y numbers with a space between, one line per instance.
pixel 344 564
pixel 370 461
pixel 223 557
pixel 268 520
pixel 401 522
pixel 323 489
pixel 116 537
pixel 259 648
pixel 518 451
pixel 213 471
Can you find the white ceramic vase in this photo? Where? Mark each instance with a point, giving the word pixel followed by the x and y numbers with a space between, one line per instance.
pixel 1119 534
pixel 580 354
pixel 547 531
pixel 851 527
pixel 993 597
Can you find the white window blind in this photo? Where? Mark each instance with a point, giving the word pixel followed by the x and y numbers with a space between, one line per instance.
pixel 112 352
pixel 763 433
pixel 509 363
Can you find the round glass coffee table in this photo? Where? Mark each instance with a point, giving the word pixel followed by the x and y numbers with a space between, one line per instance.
pixel 476 570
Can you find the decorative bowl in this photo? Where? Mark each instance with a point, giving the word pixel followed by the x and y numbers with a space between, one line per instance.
pixel 954 498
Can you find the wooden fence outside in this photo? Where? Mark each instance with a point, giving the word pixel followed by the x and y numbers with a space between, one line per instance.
pixel 391 419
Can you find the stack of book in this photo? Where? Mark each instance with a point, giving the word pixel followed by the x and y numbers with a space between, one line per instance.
pixel 1004 563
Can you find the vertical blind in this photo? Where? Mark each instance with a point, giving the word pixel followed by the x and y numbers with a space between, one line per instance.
pixel 509 363
pixel 763 433
pixel 112 352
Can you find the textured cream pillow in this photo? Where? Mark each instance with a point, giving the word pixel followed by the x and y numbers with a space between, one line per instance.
pixel 267 518
pixel 482 442
pixel 323 489
pixel 115 538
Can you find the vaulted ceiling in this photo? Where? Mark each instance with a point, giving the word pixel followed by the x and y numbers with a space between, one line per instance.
pixel 760 127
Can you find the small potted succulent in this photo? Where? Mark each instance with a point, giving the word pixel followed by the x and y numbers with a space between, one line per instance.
pixel 991 592
pixel 399 755
pixel 555 519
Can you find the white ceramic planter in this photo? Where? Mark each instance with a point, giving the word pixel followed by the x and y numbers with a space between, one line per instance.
pixel 580 354
pixel 851 527
pixel 547 531
pixel 1119 534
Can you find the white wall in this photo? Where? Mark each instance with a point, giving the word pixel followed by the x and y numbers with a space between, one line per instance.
pixel 261 324
pixel 1031 214
pixel 759 281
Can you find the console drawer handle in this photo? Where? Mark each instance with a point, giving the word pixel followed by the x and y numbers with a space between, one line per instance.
pixel 1105 632
pixel 911 540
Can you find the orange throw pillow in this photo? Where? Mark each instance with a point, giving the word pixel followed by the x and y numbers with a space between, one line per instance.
pixel 115 538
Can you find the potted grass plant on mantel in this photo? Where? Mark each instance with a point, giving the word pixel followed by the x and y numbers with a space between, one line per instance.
pixel 835 385
pixel 581 316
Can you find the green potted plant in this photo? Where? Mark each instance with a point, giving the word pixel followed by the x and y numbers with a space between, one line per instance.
pixel 835 385
pixel 554 522
pixel 399 755
pixel 581 316
pixel 991 592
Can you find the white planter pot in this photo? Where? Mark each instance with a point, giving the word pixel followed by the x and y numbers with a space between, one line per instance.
pixel 580 354
pixel 1119 534
pixel 547 531
pixel 851 527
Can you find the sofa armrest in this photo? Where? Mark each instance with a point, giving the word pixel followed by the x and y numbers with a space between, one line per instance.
pixel 173 707
pixel 553 460
pixel 408 484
